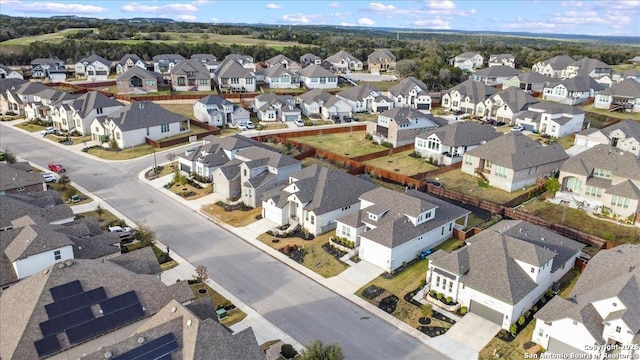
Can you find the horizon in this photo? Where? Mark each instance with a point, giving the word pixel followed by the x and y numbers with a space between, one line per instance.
pixel 586 18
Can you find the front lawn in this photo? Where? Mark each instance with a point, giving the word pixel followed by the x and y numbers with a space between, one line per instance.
pixel 126 154
pixel 509 350
pixel 68 191
pixel 74 139
pixel 402 163
pixel 449 245
pixel 458 181
pixel 30 127
pixel 235 218
pixel 104 220
pixel 234 316
pixel 316 258
pixel 349 144
pixel 190 192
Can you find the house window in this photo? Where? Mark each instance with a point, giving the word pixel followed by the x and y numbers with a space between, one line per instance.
pixel 488 164
pixel 118 135
pixel 593 191
pixel 248 81
pixel 501 171
pixel 618 329
pixel 99 111
pixel 346 231
pixel 450 286
pixel 203 81
pixel 147 131
pixel 244 172
pixel 181 81
pixel 149 83
pixel 541 333
pixel 533 170
pixel 442 231
pixel 437 281
pixel 57 255
pixel 602 173
pixel 462 284
pixel 450 226
pixel 234 81
pixel 444 283
pixel 620 201
pixel 467 160
pixel 164 128
pixel 312 219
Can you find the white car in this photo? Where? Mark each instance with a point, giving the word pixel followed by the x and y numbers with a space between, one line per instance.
pixel 241 126
pixel 48 130
pixel 249 125
pixel 50 177
pixel 517 128
pixel 118 229
pixel 299 122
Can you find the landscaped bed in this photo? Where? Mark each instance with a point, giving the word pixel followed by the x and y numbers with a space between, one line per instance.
pixel 467 184
pixel 402 163
pixel 234 315
pixel 67 191
pixel 237 218
pixel 349 144
pixel 190 191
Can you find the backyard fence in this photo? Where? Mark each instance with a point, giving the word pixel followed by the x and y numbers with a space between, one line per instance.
pixel 435 172
pixel 382 153
pixel 211 130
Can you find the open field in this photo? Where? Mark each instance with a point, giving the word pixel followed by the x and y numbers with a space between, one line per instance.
pixel 180 37
pixel 348 144
pixel 467 184
pixel 185 110
pixel 53 37
pixel 402 163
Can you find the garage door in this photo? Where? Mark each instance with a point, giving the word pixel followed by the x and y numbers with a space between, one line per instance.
pixel 382 108
pixel 272 213
pixel 185 167
pixel 290 117
pixel 486 312
pixel 424 106
pixel 558 347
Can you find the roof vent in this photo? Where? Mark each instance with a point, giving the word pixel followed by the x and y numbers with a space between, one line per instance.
pixel 47 271
pixel 108 355
pixel 189 322
pixel 174 309
pixel 60 265
pixel 140 340
pixel 542 238
pixel 68 263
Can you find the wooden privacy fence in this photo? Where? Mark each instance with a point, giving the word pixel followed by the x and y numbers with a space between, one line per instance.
pixel 435 172
pixel 382 153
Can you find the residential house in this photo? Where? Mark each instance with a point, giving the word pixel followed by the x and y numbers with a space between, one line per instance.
pixel 131 125
pixel 495 75
pixel 623 96
pixel 314 198
pixel 468 97
pixel 596 321
pixel 506 105
pixel 45 207
pixel 138 80
pixel 52 69
pixel 635 60
pixel 209 61
pixel 190 75
pixel 381 60
pixel 528 82
pixel 218 111
pixel 604 177
pixel 572 91
pixel 94 68
pixel 393 228
pixel 21 93
pixel 127 63
pixel 632 74
pixel 274 107
pixel 245 60
pixel 513 161
pixel 502 59
pixel 319 103
pixel 188 331
pixel 400 126
pixel 504 270
pixel 448 144
pixel 587 67
pixel 279 77
pixel 342 61
pixel 44 101
pixel 258 171
pixel 411 93
pixel 163 63
pixel 317 77
pixel 551 119
pixel 57 317
pixel 8 73
pixel 78 114
pixel 17 181
pixel 467 61
pixel 10 85
pixel 309 59
pixel 232 76
pixel 284 61
pixel 624 135
pixel 553 67
pixel 367 97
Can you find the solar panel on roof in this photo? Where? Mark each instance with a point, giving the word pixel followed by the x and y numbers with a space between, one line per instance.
pixel 66 290
pixel 66 321
pixel 47 346
pixel 119 302
pixel 152 350
pixel 105 323
pixel 73 303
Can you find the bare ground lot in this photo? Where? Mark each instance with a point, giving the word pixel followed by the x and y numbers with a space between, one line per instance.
pixel 348 144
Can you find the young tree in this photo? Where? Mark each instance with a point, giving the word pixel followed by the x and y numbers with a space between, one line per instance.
pixel 144 234
pixel 318 351
pixel 99 211
pixel 64 180
pixel 9 156
pixel 552 186
pixel 171 157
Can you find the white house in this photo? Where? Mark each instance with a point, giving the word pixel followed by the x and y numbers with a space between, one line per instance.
pixel 623 96
pixel 190 75
pixel 553 67
pixel 279 77
pixel 587 66
pixel 274 107
pixel 52 69
pixel 284 61
pixel 8 73
pixel 318 102
pixel 218 111
pixel 412 93
pixel 624 135
pixel 309 59
pixel 343 61
pixel 163 63
pixel 130 125
pixel 528 82
pixel 552 119
pixel 506 105
pixel 600 319
pixel 467 61
pixel 400 126
pixel 392 228
pixel 468 96
pixel 572 91
pixel 232 76
pixel 317 77
pixel 127 63
pixel 78 114
pixel 246 61
pixel 502 59
pixel 504 270
pixel 93 67
pixel 367 97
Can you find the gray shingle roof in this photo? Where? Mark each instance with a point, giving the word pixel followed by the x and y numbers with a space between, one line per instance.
pixel 143 74
pixel 34 239
pixel 277 71
pixel 134 58
pixel 335 58
pixel 476 90
pixel 143 114
pixel 314 70
pixel 499 57
pixel 45 207
pixel 358 93
pixel 466 55
pixel 517 151
pixel 8 84
pixel 13 178
pixel 271 158
pixel 168 58
pixel 91 100
pixel 515 98
pixel 93 58
pixel 587 65
pixel 405 115
pixel 378 54
pixel 555 108
pixel 620 163
pixel 406 85
pixel 193 68
pixel 497 71
pixel 278 59
pixel 465 133
pixel 314 95
pixel 559 62
pixel 626 88
pixel 581 83
pixel 533 78
pixel 230 68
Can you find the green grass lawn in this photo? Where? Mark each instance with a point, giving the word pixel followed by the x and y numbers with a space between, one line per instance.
pixel 614 114
pixel 236 218
pixel 75 139
pixel 467 184
pixel 404 163
pixel 30 127
pixel 329 265
pixel 185 110
pixel 69 190
pixel 52 37
pixel 233 316
pixel 449 245
pixel 136 151
pixel 580 220
pixel 349 144
pixel 384 85
pixel 509 350
pixel 367 117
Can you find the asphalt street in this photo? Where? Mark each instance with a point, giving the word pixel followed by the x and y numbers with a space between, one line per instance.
pixel 296 304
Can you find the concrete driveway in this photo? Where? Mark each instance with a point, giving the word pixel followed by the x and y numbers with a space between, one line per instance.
pixel 473 331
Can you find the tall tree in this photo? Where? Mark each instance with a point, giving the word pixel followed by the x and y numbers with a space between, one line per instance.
pixel 318 351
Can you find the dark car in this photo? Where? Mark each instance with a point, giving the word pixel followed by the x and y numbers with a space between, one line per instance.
pixel 346 118
pixel 336 119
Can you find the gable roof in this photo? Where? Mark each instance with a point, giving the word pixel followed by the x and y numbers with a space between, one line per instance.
pixel 315 95
pixel 359 92
pixel 466 55
pixel 476 90
pixel 405 115
pixel 278 59
pixel 143 74
pixel 620 163
pixel 143 114
pixel 499 57
pixel 214 100
pixel 46 206
pixel 310 56
pixel 188 67
pixel 13 178
pixel 559 62
pixel 340 55
pixel 276 71
pixel 582 83
pixel 406 85
pixel 626 88
pixel 497 71
pixel 462 133
pixel 272 158
pixel 30 88
pixel 314 70
pixel 230 68
pixel 533 78
pixel 515 98
pixel 630 127
pixel 555 108
pixel 133 57
pixel 91 100
pixel 587 65
pixel 378 54
pixel 517 151
pixel 168 58
pixel 93 58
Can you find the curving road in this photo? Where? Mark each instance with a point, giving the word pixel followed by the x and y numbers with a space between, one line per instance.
pixel 296 304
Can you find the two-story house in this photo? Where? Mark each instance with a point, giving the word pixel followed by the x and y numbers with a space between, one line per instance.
pixel 367 97
pixel 94 68
pixel 624 135
pixel 605 178
pixel 502 59
pixel 218 111
pixel 381 60
pixel 553 67
pixel 495 75
pixel 448 144
pixel 314 198
pixel 279 77
pixel 551 119
pixel 506 105
pixel 138 80
pixel 190 75
pixel 319 103
pixel 8 73
pixel 246 61
pixel 587 66
pixel 513 161
pixel 43 102
pixel 623 96
pixel 127 63
pixel 317 77
pixel 528 82
pixel 572 91
pixel 284 61
pixel 20 94
pixel 52 69
pixel 274 107
pixel 467 61
pixel 504 270
pixel 468 97
pixel 392 228
pixel 78 114
pixel 342 61
pixel 309 59
pixel 232 76
pixel 163 63
pixel 412 93
pixel 600 319
pixel 209 61
pixel 400 126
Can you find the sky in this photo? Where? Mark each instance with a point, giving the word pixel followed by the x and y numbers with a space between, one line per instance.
pixel 586 17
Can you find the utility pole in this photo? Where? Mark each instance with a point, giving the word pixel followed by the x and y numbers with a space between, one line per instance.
pixel 155 164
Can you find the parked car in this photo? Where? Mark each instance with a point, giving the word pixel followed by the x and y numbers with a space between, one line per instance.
pixel 119 229
pixel 346 118
pixel 241 126
pixel 57 168
pixel 49 177
pixel 299 122
pixel 48 130
pixel 250 125
pixel 517 128
pixel 335 119
pixel 433 182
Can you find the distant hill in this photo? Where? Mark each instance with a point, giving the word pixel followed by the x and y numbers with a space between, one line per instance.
pixel 148 20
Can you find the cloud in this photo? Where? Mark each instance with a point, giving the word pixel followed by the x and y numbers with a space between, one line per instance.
pixel 334 4
pixel 185 17
pixel 441 5
pixel 200 2
pixel 295 19
pixel 366 22
pixel 52 7
pixel 436 23
pixel 274 6
pixel 169 8
pixel 379 7
pixel 214 20
pixel 472 11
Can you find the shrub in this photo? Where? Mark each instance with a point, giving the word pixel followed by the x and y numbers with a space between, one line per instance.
pixel 483 184
pixel 513 329
pixel 448 299
pixel 432 293
pixel 387 144
pixel 527 314
pixel 549 293
pixel 287 351
pixel 423 282
pixel 521 320
pixel 535 308
pixel 439 296
pixel 368 137
pixel 463 310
